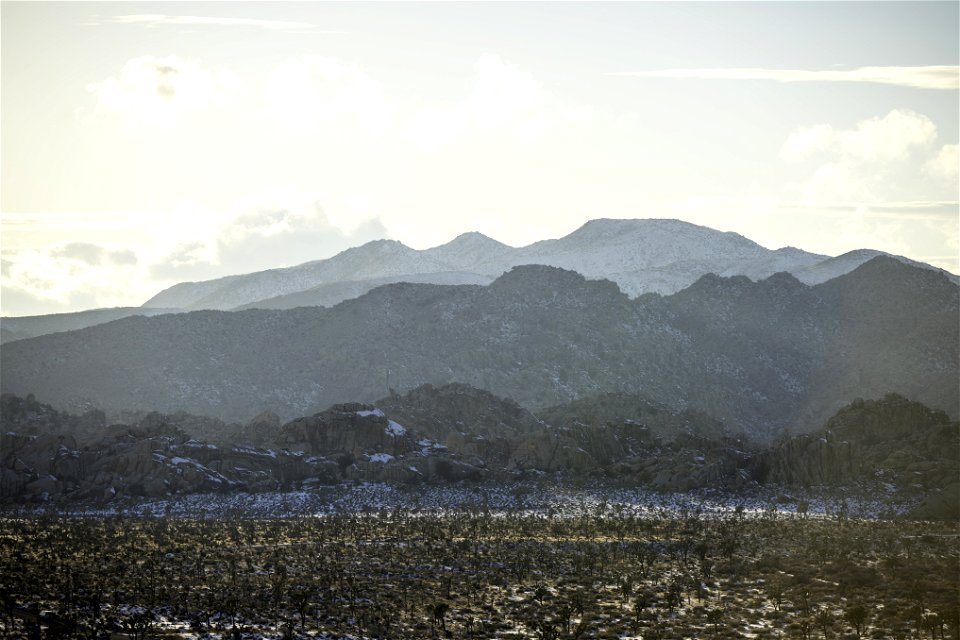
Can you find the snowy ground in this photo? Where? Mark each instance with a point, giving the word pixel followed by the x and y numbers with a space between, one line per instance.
pixel 538 497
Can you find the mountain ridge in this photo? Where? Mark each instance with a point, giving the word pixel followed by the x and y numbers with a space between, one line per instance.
pixel 641 255
pixel 762 356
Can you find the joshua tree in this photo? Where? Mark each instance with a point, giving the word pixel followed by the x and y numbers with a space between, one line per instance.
pixel 857 616
pixel 824 620
pixel 439 615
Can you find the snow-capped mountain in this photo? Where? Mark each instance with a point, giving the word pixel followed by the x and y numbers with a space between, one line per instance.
pixel 641 256
pixel 847 262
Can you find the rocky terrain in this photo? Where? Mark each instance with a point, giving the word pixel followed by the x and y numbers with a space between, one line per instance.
pixel 891 443
pixel 760 356
pixel 453 434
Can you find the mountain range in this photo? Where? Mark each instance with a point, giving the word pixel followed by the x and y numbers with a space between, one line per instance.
pixel 660 256
pixel 640 256
pixel 761 356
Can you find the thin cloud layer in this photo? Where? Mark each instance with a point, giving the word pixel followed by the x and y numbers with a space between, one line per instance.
pixel 944 77
pixel 94 254
pixel 160 19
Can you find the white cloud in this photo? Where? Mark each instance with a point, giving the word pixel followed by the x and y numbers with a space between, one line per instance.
pixel 888 138
pixel 877 139
pixel 316 91
pixel 159 19
pixel 945 163
pixel 862 162
pixel 836 181
pixel 945 77
pixel 191 242
pixel 94 254
pixel 264 231
pixel 62 278
pixel 157 91
pixel 806 142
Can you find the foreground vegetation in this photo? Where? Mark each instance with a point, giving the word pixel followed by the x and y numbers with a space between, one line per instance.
pixel 477 574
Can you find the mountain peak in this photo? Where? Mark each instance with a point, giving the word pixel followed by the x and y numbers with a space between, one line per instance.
pixel 656 231
pixel 473 235
pixel 472 239
pixel 467 250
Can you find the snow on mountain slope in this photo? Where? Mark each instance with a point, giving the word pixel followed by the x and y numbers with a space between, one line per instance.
pixel 833 267
pixel 661 256
pixel 377 259
pixel 468 250
pixel 647 255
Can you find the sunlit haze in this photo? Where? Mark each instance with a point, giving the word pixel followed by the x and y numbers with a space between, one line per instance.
pixel 146 144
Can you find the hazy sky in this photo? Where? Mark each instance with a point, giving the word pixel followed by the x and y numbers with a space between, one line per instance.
pixel 149 143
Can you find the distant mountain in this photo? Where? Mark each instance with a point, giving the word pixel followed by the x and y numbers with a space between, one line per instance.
pixel 20 327
pixel 374 260
pixel 641 256
pixel 760 356
pixel 847 262
pixel 327 295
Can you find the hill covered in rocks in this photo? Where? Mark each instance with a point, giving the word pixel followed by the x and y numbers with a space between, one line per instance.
pixel 455 434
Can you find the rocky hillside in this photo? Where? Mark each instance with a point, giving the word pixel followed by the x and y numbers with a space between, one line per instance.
pixel 455 433
pixel 893 442
pixel 660 256
pixel 447 434
pixel 761 356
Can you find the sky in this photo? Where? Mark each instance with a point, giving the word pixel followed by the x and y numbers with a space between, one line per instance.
pixel 145 144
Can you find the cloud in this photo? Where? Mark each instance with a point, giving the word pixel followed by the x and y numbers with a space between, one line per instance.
pixel 314 91
pixel 68 277
pixel 858 162
pixel 907 210
pixel 158 91
pixel 191 260
pixel 946 77
pixel 888 138
pixel 264 233
pixel 806 142
pixel 159 19
pixel 944 164
pixel 93 254
pixel 286 235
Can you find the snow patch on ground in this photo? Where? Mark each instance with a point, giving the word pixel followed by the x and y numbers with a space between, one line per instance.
pixel 560 500
pixel 394 429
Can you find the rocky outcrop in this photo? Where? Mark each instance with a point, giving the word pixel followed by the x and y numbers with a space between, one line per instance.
pixel 893 441
pixel 456 433
pixel 29 417
pixel 153 459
